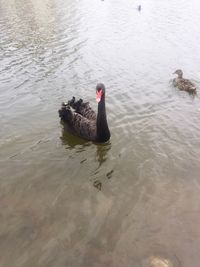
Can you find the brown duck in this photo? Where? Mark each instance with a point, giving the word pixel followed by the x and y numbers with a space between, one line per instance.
pixel 184 84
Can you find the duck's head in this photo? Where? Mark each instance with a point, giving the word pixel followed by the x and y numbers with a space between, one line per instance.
pixel 100 92
pixel 179 73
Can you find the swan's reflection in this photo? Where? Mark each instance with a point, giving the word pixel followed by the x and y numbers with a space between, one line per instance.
pixel 71 142
pixel 102 152
pixel 101 157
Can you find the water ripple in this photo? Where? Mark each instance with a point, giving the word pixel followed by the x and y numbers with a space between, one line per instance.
pixel 90 199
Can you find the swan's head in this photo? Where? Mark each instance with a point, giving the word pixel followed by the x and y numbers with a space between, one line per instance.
pixel 179 73
pixel 100 91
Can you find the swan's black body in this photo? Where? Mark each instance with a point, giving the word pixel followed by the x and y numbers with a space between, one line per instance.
pixel 83 121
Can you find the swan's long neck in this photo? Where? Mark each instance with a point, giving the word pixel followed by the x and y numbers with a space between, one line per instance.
pixel 103 132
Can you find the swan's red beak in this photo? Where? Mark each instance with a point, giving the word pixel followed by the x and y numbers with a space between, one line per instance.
pixel 98 96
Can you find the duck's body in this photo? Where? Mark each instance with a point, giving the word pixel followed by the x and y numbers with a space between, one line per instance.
pixel 83 121
pixel 184 84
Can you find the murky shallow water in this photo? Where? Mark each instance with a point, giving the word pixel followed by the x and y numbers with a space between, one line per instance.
pixel 148 208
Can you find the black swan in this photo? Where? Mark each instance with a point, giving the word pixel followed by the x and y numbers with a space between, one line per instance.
pixel 79 117
pixel 184 84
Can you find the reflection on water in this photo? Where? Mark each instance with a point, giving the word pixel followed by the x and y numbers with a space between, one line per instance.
pixel 101 153
pixel 159 262
pixel 79 145
pixel 133 201
pixel 71 141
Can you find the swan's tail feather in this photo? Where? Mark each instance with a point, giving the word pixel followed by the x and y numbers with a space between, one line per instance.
pixel 76 104
pixel 71 102
pixel 83 108
pixel 65 113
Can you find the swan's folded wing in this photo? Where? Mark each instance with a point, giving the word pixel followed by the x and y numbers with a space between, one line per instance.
pixel 83 108
pixel 83 127
pixel 78 124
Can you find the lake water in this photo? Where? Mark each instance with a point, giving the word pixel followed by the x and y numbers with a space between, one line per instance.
pixel 132 202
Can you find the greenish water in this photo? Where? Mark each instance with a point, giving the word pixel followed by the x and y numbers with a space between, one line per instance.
pixel 68 202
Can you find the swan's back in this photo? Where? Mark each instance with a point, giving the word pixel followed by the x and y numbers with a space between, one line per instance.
pixel 83 108
pixel 77 123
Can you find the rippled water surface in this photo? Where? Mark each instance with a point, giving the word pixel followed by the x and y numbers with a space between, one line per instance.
pixel 134 201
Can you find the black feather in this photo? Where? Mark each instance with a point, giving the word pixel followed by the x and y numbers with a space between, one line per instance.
pixel 83 121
